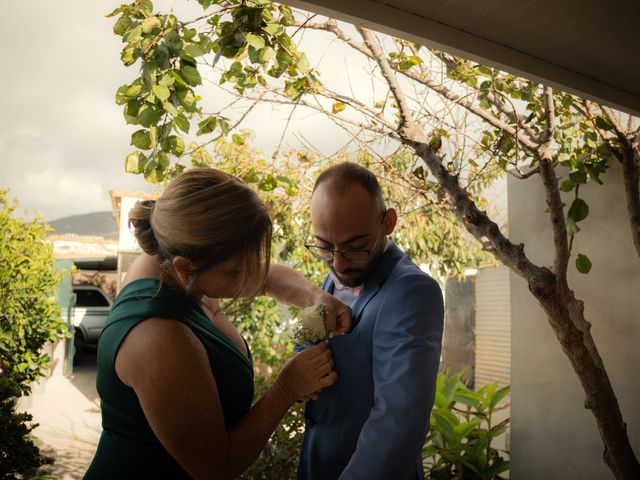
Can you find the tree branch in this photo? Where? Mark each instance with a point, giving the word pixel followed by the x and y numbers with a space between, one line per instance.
pixel 512 114
pixel 406 121
pixel 332 27
pixel 552 193
pixel 630 160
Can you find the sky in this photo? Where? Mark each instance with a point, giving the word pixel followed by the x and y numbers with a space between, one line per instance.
pixel 63 139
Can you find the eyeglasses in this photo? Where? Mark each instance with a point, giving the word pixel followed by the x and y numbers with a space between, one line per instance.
pixel 352 255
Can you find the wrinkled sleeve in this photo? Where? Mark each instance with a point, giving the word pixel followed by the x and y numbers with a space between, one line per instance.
pixel 406 356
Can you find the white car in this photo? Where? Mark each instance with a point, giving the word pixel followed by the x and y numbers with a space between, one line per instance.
pixel 89 315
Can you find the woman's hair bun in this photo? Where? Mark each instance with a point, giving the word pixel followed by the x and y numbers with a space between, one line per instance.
pixel 140 220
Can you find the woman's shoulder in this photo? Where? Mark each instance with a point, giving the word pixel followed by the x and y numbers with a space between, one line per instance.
pixel 158 343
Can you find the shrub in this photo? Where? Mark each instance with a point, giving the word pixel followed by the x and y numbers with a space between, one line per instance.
pixel 279 459
pixel 29 318
pixel 17 451
pixel 459 441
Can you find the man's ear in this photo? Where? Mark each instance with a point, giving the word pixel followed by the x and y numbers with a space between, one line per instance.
pixel 390 220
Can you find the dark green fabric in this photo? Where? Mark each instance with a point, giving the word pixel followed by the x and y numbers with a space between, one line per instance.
pixel 128 447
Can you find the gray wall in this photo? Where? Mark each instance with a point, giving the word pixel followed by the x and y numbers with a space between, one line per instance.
pixel 552 435
pixel 458 344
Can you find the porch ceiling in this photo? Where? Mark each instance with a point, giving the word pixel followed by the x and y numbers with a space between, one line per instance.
pixel 587 47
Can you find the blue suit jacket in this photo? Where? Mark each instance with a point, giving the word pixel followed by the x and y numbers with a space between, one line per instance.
pixel 371 424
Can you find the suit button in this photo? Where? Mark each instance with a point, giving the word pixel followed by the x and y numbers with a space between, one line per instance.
pixel 310 423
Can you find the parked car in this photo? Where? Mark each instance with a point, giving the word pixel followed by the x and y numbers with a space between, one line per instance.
pixel 89 316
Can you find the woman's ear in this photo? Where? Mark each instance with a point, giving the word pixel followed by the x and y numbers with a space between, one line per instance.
pixel 390 220
pixel 184 268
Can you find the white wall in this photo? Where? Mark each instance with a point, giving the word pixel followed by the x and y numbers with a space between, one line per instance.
pixel 552 435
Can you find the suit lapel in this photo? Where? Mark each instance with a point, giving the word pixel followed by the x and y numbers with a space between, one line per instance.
pixel 371 286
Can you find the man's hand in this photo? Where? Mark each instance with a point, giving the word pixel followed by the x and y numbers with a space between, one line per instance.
pixel 337 314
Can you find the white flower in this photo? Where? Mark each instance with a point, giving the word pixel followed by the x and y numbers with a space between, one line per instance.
pixel 310 327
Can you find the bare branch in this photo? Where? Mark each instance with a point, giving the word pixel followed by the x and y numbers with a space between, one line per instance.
pixel 332 27
pixel 630 159
pixel 524 176
pixel 407 126
pixel 552 193
pixel 491 97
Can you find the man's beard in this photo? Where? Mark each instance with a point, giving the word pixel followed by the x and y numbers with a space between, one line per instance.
pixel 360 275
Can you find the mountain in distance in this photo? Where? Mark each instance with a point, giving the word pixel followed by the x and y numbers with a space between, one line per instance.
pixel 100 224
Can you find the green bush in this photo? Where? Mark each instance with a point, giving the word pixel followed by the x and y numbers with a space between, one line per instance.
pixel 17 451
pixel 279 459
pixel 29 318
pixel 459 441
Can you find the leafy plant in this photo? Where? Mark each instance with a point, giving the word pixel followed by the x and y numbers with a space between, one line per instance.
pixel 279 459
pixel 29 318
pixel 17 450
pixel 459 441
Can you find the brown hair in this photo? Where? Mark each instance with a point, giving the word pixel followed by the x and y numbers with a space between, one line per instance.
pixel 207 216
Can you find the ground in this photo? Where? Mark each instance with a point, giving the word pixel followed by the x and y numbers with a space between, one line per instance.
pixel 68 411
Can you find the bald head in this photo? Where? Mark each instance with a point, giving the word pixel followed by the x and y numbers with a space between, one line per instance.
pixel 336 180
pixel 347 212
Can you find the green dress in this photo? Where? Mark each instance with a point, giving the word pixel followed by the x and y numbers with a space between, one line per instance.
pixel 128 447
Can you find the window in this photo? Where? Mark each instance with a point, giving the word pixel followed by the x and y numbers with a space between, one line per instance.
pixel 90 298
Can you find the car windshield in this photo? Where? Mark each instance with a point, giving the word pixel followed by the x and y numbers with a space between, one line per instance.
pixel 90 298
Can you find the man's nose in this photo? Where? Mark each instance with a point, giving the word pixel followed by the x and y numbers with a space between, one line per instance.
pixel 339 262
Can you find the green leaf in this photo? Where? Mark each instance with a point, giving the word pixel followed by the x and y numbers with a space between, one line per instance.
pixel 189 33
pixel 133 90
pixel 161 91
pixel 268 183
pixel 122 25
pixel 193 50
pixel 579 210
pixel 266 54
pixel 187 99
pixel 303 64
pixel 237 139
pixel 567 185
pixel 604 123
pixel 273 29
pixel 567 101
pixel 169 108
pixel 435 143
pixel 134 162
pixel 191 75
pixel 572 227
pixel 150 23
pixel 338 107
pixel 499 395
pixel 255 41
pixel 182 123
pixel 149 116
pixel 141 139
pixel 161 57
pixel 173 42
pixel 583 264
pixel 251 177
pixel 173 144
pixel 207 125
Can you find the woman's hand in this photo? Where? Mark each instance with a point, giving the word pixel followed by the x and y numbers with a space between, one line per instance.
pixel 337 314
pixel 307 372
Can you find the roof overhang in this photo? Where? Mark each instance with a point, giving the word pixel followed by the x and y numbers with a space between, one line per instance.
pixel 586 47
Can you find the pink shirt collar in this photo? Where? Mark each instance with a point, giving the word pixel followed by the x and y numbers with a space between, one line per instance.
pixel 355 291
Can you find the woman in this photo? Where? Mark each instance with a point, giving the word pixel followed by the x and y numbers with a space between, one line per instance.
pixel 174 376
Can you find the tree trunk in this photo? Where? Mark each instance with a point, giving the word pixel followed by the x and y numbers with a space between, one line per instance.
pixel 566 316
pixel 564 313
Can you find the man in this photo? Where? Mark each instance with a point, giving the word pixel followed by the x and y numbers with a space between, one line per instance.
pixel 371 424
